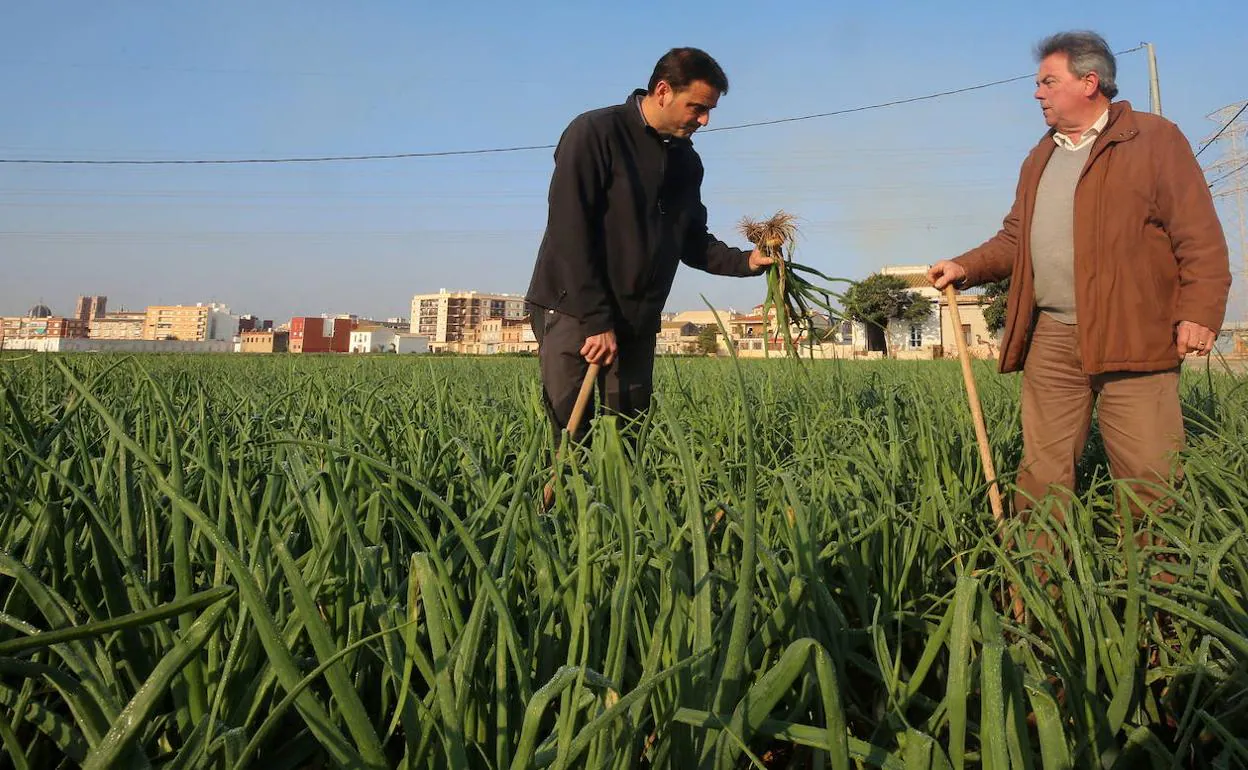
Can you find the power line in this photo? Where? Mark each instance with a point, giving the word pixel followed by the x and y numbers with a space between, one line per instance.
pixel 501 150
pixel 1230 173
pixel 864 108
pixel 315 159
pixel 1225 126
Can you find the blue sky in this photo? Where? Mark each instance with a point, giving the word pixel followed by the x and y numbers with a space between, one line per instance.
pixel 901 185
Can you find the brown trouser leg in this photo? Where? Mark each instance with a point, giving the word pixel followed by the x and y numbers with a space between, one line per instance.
pixel 1141 423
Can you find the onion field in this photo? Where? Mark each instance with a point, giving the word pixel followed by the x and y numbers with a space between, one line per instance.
pixel 289 562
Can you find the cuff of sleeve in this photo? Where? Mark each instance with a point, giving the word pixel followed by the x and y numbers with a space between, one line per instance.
pixel 971 278
pixel 1205 316
pixel 597 323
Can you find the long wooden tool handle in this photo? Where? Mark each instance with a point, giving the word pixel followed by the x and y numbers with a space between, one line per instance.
pixel 582 399
pixel 977 414
pixel 574 423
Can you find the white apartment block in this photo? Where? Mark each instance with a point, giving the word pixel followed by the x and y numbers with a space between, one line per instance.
pixel 449 316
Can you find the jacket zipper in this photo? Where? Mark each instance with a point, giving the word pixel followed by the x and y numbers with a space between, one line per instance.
pixel 657 236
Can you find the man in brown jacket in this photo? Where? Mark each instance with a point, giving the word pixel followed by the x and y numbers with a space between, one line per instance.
pixel 1118 269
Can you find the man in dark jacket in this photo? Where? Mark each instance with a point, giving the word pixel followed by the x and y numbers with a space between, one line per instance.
pixel 1118 269
pixel 625 208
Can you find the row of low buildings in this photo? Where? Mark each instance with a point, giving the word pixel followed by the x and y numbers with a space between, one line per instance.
pixel 91 320
pixel 477 323
pixel 203 327
pixel 470 322
pixel 753 336
pixel 336 334
pixel 464 322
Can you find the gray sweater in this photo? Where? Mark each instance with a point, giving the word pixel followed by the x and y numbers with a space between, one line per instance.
pixel 1053 234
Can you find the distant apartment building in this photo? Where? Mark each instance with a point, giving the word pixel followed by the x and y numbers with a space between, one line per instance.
pixel 393 324
pixel 251 323
pixel 450 317
pixel 468 342
pixel 264 342
pixel 504 335
pixel 315 334
pixel 85 345
pixel 199 322
pixel 118 326
pixel 678 338
pixel 28 327
pixel 90 308
pixel 517 336
pixel 757 335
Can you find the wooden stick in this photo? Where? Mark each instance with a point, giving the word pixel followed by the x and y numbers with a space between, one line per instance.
pixel 981 435
pixel 574 422
pixel 977 414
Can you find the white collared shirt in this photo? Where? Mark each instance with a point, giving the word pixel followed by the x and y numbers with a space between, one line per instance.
pixel 1086 138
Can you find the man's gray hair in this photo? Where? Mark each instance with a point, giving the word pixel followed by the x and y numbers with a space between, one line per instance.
pixel 1087 52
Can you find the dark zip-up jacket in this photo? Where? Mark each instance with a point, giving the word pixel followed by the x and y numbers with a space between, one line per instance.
pixel 625 208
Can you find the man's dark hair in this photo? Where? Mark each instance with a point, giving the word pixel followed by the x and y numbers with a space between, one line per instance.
pixel 680 67
pixel 1086 52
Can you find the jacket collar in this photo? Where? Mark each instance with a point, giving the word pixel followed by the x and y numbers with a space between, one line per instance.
pixel 1120 128
pixel 1122 124
pixel 637 119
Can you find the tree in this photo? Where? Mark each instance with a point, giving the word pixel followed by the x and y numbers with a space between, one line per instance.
pixel 878 299
pixel 708 340
pixel 994 297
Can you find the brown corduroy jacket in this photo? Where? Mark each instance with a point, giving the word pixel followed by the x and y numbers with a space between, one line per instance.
pixel 1149 249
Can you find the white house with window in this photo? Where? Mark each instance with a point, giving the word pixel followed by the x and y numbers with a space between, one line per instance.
pixel 372 339
pixel 906 340
pixel 933 338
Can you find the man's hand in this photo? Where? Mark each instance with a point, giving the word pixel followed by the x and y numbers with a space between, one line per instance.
pixel 1193 338
pixel 945 272
pixel 759 260
pixel 600 348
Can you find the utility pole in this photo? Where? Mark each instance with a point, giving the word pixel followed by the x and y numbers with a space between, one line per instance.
pixel 1234 186
pixel 1154 85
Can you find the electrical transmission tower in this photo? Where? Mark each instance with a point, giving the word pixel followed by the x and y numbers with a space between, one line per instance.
pixel 1230 175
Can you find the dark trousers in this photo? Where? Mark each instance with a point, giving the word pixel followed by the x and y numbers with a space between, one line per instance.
pixel 623 388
